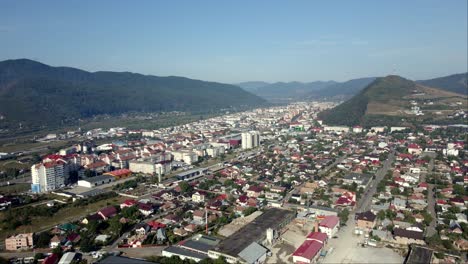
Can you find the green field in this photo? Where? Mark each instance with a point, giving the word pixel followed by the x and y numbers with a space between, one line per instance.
pixel 14 188
pixel 68 214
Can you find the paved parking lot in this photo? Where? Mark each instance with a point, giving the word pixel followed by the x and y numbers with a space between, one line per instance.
pixel 347 249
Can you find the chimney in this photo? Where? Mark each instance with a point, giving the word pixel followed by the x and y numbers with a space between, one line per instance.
pixel 316 229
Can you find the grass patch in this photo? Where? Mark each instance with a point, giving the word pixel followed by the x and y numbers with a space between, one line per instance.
pixel 15 188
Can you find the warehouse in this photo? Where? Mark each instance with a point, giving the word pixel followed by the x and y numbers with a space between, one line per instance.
pixel 95 181
pixel 256 231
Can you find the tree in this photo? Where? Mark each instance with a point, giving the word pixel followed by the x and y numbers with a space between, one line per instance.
pixel 390 214
pixel 58 251
pixel 86 245
pixel 37 257
pixel 343 215
pixel 427 218
pixel 381 215
pixel 115 226
pixel 459 190
pixel 249 211
pixel 184 186
pixel 43 240
pixel 130 212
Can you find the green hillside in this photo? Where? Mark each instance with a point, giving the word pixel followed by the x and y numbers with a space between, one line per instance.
pixel 387 101
pixel 36 94
pixel 457 83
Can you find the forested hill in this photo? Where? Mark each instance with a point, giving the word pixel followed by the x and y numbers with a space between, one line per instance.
pixel 388 100
pixel 34 93
pixel 457 83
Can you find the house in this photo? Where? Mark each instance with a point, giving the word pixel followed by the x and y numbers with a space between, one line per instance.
pixel 365 220
pixel 347 199
pixel 362 180
pixel 199 215
pixel 406 237
pixel 329 225
pixel 128 203
pixel 145 209
pixel 198 197
pixel 414 149
pixel 89 218
pixel 190 228
pixel 461 244
pixel 416 228
pixel 142 229
pixel 254 191
pixel 180 232
pixel 56 241
pixel 19 241
pixel 107 212
pixel 399 204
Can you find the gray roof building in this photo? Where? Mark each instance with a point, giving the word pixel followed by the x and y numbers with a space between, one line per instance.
pixel 253 253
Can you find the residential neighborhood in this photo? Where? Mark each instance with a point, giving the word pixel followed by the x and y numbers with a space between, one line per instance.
pixel 270 185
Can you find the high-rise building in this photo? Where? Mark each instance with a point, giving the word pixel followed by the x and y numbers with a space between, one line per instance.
pixel 250 139
pixel 48 176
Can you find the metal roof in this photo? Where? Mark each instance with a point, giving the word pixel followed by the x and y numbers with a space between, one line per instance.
pixel 252 253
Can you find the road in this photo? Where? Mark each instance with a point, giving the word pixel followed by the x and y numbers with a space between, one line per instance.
pixel 430 231
pixel 336 162
pixel 366 200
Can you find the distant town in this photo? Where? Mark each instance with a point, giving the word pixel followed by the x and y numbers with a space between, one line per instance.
pixel 270 185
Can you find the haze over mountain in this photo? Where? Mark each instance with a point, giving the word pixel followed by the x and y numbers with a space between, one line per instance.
pixel 389 100
pixel 457 83
pixel 37 94
pixel 332 90
pixel 293 90
pixel 344 89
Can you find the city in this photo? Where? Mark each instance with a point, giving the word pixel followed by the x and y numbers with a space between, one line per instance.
pixel 302 191
pixel 234 132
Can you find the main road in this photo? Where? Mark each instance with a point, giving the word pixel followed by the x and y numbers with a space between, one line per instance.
pixel 430 231
pixel 365 202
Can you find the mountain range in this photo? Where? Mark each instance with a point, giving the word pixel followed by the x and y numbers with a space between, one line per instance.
pixel 332 90
pixel 36 94
pixel 394 100
pixel 283 90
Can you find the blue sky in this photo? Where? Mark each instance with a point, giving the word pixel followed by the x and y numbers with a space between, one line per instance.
pixel 234 41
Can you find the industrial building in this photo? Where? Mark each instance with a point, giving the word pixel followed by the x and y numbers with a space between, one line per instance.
pixel 195 248
pixel 191 174
pixel 95 181
pixel 272 220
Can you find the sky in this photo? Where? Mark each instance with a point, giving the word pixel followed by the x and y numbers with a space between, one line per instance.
pixel 235 41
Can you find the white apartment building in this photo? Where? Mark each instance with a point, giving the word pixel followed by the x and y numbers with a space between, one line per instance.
pixel 48 176
pixel 336 128
pixel 148 166
pixel 186 156
pixel 250 139
pixel 215 151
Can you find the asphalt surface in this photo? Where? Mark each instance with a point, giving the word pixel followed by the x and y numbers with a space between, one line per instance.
pixel 365 202
pixel 430 231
